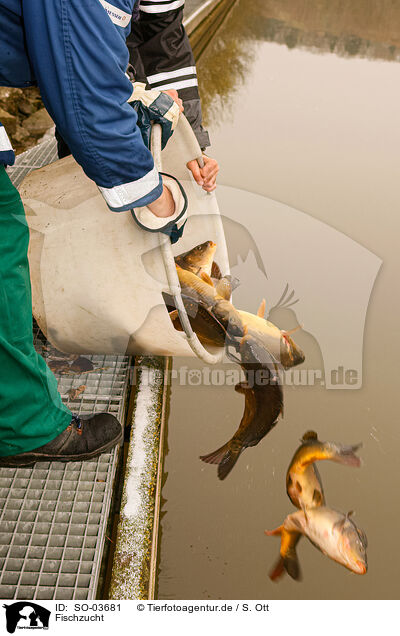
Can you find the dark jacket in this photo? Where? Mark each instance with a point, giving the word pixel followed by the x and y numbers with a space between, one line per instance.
pixel 161 55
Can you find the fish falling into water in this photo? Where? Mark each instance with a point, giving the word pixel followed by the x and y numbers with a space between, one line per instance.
pixel 201 280
pixel 263 348
pixel 303 483
pixel 332 532
pixel 263 404
pixel 305 490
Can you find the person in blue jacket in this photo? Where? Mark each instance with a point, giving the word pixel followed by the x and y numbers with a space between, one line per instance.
pixel 75 51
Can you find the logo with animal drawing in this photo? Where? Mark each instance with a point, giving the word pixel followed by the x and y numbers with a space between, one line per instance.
pixel 26 615
pixel 314 278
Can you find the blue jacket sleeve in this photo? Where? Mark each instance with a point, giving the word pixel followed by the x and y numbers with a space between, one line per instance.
pixel 79 57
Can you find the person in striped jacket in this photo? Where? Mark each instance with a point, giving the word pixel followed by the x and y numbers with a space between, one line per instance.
pixel 161 55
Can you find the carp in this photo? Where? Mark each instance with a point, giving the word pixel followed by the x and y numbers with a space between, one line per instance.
pixel 303 483
pixel 205 294
pixel 263 395
pixel 278 342
pixel 199 259
pixel 332 532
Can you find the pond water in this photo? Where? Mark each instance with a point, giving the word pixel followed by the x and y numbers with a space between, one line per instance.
pixel 302 107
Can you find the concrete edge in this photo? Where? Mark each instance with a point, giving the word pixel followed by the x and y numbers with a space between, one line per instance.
pixel 197 16
pixel 135 557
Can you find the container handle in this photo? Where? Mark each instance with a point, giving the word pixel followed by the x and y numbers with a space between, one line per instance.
pixel 170 268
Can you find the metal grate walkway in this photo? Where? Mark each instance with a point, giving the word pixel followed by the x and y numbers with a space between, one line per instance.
pixel 53 516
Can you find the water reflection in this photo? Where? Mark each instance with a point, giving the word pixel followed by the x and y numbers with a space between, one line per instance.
pixel 319 133
pixel 353 28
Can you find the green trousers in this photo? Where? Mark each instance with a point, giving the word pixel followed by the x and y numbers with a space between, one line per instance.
pixel 31 410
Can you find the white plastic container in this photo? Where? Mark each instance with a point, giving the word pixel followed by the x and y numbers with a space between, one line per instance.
pixel 97 278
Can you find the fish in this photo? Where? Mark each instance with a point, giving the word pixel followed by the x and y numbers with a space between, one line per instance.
pixel 303 483
pixel 205 294
pixel 199 259
pixel 331 531
pixel 263 405
pixel 208 329
pixel 278 342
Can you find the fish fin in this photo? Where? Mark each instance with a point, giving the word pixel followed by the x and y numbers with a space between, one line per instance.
pixel 289 332
pixel 206 278
pixel 308 435
pixel 346 456
pixel 224 289
pixel 292 565
pixel 278 570
pixel 339 524
pixel 235 282
pixel 304 510
pixel 215 270
pixel 261 309
pixel 274 533
pixel 225 457
pixel 348 515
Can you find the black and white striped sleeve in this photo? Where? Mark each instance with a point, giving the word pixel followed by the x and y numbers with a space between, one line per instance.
pixel 161 55
pixel 160 6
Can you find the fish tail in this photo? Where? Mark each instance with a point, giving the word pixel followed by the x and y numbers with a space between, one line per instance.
pixel 278 570
pixel 225 457
pixel 288 560
pixel 274 533
pixel 346 455
pixel 291 564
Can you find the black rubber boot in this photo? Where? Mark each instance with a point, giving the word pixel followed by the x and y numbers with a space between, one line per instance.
pixel 83 439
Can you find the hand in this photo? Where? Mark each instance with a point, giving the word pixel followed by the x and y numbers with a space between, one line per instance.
pixel 206 176
pixel 164 206
pixel 174 94
pixel 147 106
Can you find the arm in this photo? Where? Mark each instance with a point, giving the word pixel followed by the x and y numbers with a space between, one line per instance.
pixel 161 54
pixel 79 58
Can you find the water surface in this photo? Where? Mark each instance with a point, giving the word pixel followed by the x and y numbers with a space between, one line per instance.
pixel 302 108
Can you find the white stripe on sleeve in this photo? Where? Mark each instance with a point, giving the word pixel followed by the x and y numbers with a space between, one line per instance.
pixel 181 72
pixel 177 85
pixel 127 193
pixel 156 7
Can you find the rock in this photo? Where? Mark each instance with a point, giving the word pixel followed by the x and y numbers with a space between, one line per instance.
pixel 26 107
pixel 38 123
pixel 21 134
pixel 6 92
pixel 9 121
pixel 10 98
